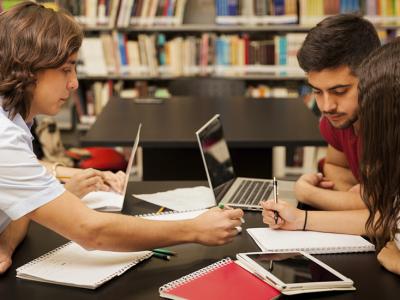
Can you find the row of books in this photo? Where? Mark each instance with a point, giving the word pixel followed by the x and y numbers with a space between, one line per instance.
pixel 209 54
pixel 124 13
pixel 377 11
pixel 256 12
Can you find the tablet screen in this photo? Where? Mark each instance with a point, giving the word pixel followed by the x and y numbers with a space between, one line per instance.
pixel 293 267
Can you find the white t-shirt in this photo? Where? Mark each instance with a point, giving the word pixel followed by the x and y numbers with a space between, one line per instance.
pixel 25 184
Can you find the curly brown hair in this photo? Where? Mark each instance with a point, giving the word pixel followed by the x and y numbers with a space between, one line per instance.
pixel 32 38
pixel 379 99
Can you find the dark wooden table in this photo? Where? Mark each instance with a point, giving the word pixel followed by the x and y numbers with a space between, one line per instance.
pixel 143 280
pixel 252 127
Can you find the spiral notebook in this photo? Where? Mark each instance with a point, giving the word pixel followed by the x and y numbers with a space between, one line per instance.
pixel 173 215
pixel 222 280
pixel 308 241
pixel 72 265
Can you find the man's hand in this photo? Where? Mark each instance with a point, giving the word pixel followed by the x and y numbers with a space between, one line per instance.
pixel 356 189
pixel 389 257
pixel 306 181
pixel 290 218
pixel 217 226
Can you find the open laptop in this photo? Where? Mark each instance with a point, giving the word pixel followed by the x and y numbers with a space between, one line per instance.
pixel 245 193
pixel 112 201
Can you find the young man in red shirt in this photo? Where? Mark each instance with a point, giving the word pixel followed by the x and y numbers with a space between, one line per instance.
pixel 330 55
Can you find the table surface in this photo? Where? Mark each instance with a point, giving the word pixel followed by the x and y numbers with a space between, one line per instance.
pixel 249 123
pixel 143 280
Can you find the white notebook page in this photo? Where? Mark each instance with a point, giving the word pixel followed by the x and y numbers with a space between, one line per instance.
pixel 309 241
pixel 73 265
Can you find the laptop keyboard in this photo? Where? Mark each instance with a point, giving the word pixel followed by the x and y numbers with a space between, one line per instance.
pixel 251 192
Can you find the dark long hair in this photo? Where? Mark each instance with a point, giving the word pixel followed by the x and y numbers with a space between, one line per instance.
pixel 32 38
pixel 379 98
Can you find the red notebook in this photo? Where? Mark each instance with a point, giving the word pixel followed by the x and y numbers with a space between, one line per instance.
pixel 221 280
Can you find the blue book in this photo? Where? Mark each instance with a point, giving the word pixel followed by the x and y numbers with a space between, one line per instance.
pixel 279 6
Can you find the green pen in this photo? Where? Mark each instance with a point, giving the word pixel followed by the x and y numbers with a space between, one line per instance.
pixel 161 256
pixel 164 251
pixel 222 206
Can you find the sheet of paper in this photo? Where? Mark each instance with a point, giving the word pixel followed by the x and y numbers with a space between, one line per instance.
pixel 105 201
pixel 182 199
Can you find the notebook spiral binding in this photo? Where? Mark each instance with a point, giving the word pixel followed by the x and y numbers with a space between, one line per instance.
pixel 195 275
pixel 40 258
pixel 169 212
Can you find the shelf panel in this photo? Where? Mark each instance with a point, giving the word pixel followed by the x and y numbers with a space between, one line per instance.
pixel 218 28
pixel 242 77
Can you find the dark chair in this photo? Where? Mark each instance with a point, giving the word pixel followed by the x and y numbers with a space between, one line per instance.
pixel 207 87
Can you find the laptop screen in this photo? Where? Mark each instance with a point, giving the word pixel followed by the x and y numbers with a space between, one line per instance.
pixel 216 155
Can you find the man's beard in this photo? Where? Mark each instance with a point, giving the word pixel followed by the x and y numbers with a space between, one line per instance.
pixel 348 123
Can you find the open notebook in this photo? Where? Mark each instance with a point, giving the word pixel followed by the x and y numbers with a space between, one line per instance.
pixel 308 241
pixel 112 201
pixel 72 265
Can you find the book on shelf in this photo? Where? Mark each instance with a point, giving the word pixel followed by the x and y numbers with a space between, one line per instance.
pixel 377 11
pixel 256 12
pixel 125 13
pixel 90 100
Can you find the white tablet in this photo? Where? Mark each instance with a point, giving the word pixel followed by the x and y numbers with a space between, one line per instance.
pixel 294 272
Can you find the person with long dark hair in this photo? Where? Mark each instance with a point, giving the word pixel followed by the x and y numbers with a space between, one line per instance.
pixel 379 132
pixel 379 97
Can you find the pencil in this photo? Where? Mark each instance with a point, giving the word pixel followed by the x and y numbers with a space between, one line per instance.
pixel 160 210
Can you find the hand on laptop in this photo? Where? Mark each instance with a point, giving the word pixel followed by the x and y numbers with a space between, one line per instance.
pixel 290 217
pixel 217 227
pixel 86 181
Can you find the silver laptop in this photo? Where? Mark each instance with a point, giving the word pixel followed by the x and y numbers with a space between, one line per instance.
pixel 245 193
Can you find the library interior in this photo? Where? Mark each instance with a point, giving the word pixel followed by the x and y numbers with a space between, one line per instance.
pixel 188 109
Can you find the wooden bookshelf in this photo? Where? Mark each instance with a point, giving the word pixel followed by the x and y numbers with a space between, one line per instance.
pixel 205 17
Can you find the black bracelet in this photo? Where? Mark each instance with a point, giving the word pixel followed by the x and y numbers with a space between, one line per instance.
pixel 305 220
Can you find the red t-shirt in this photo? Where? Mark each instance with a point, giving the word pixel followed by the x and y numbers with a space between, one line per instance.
pixel 343 140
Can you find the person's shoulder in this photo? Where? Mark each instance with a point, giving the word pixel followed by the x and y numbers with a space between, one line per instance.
pixel 9 131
